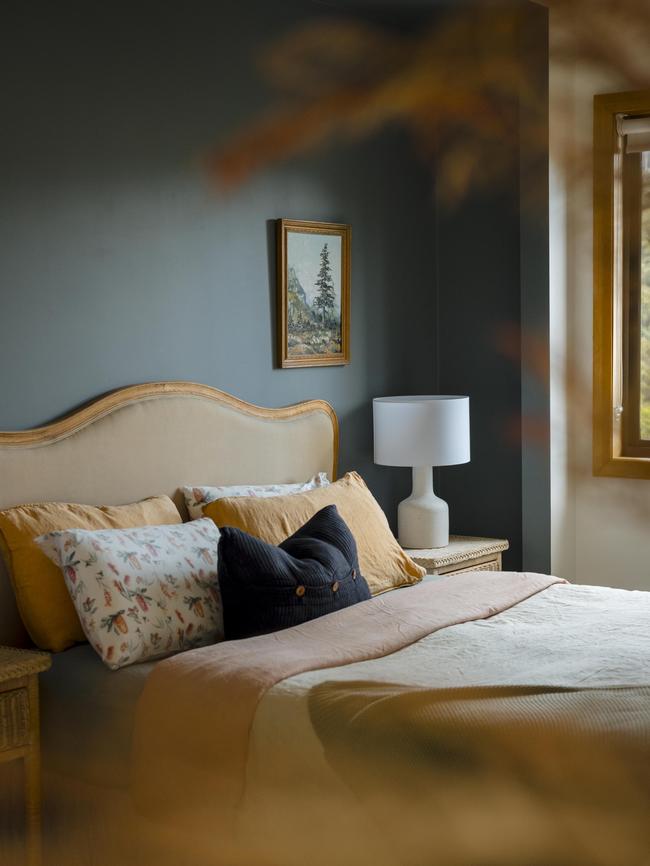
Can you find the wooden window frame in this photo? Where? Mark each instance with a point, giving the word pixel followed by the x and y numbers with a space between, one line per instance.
pixel 617 452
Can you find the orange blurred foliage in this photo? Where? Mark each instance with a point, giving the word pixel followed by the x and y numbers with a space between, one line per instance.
pixel 457 85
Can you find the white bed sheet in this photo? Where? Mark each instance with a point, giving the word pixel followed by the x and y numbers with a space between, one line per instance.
pixel 567 635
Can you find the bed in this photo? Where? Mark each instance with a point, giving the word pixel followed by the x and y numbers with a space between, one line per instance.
pixel 518 666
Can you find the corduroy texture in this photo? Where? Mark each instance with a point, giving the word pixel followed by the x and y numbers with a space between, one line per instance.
pixel 266 588
pixel 383 562
pixel 43 600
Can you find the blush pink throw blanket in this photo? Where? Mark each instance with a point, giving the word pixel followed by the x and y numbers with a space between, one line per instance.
pixel 197 709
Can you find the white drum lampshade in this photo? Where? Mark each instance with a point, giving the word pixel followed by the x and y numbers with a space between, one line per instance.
pixel 422 432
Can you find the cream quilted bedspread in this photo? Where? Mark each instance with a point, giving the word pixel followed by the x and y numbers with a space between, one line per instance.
pixel 565 637
pixel 230 726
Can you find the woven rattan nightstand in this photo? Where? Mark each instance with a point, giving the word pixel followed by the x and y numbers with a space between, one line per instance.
pixel 463 553
pixel 19 731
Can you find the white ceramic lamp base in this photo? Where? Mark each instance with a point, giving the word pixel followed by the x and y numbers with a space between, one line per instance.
pixel 423 518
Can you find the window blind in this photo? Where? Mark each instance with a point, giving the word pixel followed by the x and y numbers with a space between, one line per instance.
pixel 636 132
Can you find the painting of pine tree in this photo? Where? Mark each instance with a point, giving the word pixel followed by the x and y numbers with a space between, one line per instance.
pixel 326 297
pixel 314 290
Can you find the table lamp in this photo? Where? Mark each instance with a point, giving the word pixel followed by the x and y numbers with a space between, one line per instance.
pixel 422 432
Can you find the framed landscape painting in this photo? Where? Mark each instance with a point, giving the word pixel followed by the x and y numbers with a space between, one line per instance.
pixel 313 293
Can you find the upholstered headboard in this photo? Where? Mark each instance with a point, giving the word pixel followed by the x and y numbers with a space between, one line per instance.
pixel 151 439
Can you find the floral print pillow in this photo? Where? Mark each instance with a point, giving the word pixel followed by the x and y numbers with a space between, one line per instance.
pixel 198 497
pixel 143 593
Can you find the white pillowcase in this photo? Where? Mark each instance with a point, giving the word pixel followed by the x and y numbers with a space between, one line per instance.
pixel 196 498
pixel 142 593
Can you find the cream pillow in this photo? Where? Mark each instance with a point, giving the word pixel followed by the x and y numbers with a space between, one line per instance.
pixel 196 498
pixel 142 593
pixel 382 561
pixel 43 601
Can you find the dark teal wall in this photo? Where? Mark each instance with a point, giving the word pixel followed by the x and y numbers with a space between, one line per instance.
pixel 493 281
pixel 119 263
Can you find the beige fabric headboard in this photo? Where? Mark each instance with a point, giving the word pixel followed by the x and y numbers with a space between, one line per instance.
pixel 151 439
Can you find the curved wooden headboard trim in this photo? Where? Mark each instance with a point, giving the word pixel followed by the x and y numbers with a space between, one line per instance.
pixel 115 400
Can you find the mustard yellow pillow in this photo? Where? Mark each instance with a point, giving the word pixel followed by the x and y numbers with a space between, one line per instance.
pixel 43 601
pixel 382 561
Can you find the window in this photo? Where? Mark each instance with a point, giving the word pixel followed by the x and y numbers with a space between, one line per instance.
pixel 622 285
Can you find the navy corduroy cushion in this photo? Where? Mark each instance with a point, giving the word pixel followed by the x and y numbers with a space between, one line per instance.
pixel 266 588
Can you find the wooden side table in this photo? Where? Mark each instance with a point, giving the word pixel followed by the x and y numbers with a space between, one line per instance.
pixel 20 731
pixel 463 553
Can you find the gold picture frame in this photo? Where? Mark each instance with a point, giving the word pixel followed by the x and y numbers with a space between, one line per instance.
pixel 313 293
